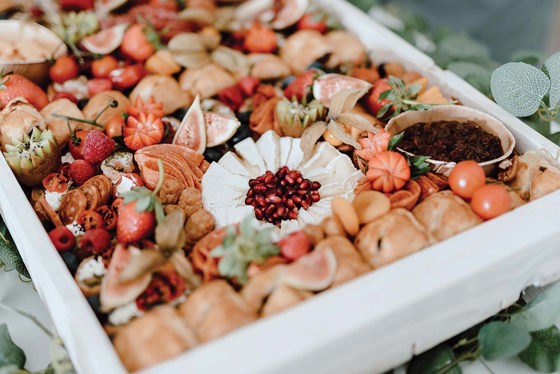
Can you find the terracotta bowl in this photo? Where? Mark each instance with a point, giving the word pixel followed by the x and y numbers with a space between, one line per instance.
pixel 36 69
pixel 457 113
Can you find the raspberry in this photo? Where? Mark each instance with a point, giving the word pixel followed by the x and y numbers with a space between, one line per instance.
pixel 62 238
pixel 80 171
pixel 95 241
pixel 97 147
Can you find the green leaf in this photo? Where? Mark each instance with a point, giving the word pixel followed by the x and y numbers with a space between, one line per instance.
pixel 459 47
pixel 414 89
pixel 439 359
pixel 384 94
pixel 10 353
pixel 12 369
pixel 143 204
pixel 538 124
pixel 542 312
pixel 519 88
pixel 246 227
pixel 543 354
pixel 365 5
pixel 394 141
pixel 9 254
pixel 552 69
pixel 529 57
pixel 477 75
pixel 502 340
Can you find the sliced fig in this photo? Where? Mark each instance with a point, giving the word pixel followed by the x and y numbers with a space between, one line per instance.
pixel 219 128
pixel 105 41
pixel 290 13
pixel 328 85
pixel 312 272
pixel 115 293
pixel 192 131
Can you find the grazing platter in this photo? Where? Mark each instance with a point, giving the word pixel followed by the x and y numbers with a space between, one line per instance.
pixel 265 186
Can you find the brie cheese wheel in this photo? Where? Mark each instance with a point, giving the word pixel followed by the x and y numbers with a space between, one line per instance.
pixel 226 182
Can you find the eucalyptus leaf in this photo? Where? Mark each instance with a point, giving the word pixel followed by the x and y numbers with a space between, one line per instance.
pixel 10 353
pixel 476 74
pixel 552 69
pixel 9 254
pixel 519 88
pixel 543 354
pixel 542 312
pixel 534 58
pixel 437 360
pixel 461 47
pixel 502 340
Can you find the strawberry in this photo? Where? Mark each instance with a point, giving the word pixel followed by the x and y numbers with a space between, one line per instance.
pixel 301 86
pixel 232 97
pixel 76 143
pixel 62 238
pixel 80 171
pixel 260 39
pixel 136 217
pixel 373 102
pixel 14 85
pixel 97 146
pixel 95 241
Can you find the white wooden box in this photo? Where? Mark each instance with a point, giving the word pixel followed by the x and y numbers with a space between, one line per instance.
pixel 371 324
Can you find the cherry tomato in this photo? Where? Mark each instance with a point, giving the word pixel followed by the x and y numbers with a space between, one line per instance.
pixel 114 128
pixel 117 204
pixel 490 201
pixel 128 76
pixel 165 4
pixel 76 143
pixel 98 85
pixel 64 68
pixel 104 66
pixel 90 220
pixel 294 245
pixel 109 216
pixel 466 177
pixel 55 182
pixel 373 102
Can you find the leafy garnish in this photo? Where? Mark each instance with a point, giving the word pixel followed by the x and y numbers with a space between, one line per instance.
pixel 418 164
pixel 402 98
pixel 9 254
pixel 395 139
pixel 239 250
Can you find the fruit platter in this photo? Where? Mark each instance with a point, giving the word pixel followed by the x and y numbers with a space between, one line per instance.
pixel 285 185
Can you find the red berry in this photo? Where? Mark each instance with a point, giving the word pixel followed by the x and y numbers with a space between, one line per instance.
pixel 97 147
pixel 95 241
pixel 248 85
pixel 80 171
pixel 132 225
pixel 294 245
pixel 232 97
pixel 62 238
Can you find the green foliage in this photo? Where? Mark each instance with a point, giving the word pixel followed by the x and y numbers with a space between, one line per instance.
pixel 10 353
pixel 541 313
pixel 551 68
pixel 543 354
pixel 9 254
pixel 437 360
pixel 238 250
pixel 519 88
pixel 502 340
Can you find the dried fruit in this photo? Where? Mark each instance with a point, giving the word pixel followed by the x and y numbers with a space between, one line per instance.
pixel 388 171
pixel 33 157
pixel 192 132
pixel 142 131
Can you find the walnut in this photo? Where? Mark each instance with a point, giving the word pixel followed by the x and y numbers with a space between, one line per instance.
pixel 190 201
pixel 508 174
pixel 198 225
pixel 170 191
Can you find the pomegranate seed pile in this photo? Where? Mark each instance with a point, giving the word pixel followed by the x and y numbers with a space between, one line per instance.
pixel 278 197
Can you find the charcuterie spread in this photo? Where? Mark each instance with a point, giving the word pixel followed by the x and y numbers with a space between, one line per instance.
pixel 199 165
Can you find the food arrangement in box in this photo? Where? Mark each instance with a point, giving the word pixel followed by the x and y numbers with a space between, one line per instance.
pixel 200 167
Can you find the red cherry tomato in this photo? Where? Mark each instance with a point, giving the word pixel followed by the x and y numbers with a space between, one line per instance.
pixel 466 177
pixel 104 66
pixel 64 68
pixel 128 76
pixel 55 182
pixel 294 245
pixel 90 220
pixel 98 85
pixel 313 21
pixel 76 143
pixel 490 201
